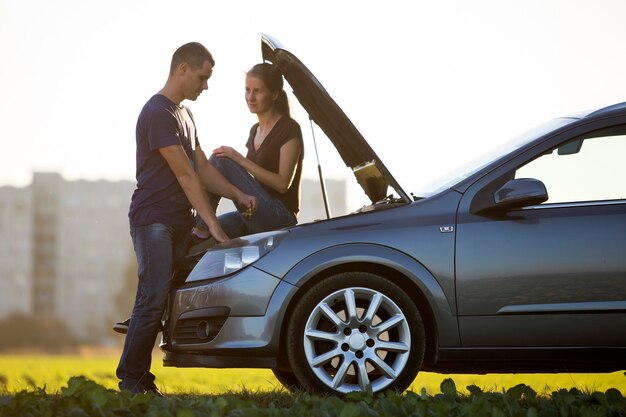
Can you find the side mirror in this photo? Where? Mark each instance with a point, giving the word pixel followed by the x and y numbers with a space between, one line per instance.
pixel 520 192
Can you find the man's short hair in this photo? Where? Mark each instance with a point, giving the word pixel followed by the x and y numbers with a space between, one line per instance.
pixel 192 53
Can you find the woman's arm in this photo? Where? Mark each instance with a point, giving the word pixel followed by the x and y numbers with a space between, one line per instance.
pixel 281 181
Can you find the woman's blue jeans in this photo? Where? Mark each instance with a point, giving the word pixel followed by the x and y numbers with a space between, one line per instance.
pixel 271 213
pixel 157 247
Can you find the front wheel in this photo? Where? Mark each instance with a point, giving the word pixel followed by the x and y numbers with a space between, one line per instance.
pixel 288 380
pixel 355 332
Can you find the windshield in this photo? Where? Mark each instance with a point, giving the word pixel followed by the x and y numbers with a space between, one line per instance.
pixel 459 173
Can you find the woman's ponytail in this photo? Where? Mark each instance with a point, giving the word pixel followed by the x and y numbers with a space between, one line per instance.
pixel 282 104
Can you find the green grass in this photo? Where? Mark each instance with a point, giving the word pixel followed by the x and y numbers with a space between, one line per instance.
pixel 84 397
pixel 75 385
pixel 50 373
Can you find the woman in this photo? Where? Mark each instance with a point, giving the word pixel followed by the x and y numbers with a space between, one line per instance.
pixel 272 168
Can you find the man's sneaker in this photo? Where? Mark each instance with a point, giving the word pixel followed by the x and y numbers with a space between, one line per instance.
pixel 139 389
pixel 122 326
pixel 152 389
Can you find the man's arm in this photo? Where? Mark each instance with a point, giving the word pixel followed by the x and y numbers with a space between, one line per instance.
pixel 217 184
pixel 190 183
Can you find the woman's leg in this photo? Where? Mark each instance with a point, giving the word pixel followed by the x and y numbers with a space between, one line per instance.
pixel 270 213
pixel 232 224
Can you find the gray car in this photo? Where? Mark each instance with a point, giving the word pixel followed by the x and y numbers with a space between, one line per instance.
pixel 516 263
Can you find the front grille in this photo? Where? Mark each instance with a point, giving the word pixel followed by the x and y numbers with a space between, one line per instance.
pixel 197 330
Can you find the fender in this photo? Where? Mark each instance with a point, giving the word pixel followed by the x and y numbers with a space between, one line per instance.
pixel 414 271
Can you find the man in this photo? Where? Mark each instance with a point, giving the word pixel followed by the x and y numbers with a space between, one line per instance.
pixel 172 175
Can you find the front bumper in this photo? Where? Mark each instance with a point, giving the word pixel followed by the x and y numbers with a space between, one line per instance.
pixel 232 322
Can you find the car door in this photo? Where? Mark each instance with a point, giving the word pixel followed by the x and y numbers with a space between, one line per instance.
pixel 550 274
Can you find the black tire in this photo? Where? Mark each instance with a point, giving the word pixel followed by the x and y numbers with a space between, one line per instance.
pixel 355 331
pixel 288 380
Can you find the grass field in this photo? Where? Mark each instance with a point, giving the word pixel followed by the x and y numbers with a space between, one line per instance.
pixel 51 373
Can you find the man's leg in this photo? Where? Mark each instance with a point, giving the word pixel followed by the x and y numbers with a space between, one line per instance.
pixel 154 247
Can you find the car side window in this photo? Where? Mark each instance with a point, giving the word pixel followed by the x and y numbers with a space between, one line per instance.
pixel 589 168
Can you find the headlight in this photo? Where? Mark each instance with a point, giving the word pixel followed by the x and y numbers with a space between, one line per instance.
pixel 230 257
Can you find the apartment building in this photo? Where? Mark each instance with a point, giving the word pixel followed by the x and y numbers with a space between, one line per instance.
pixel 65 248
pixel 15 251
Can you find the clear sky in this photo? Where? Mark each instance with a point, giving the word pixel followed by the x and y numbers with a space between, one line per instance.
pixel 428 83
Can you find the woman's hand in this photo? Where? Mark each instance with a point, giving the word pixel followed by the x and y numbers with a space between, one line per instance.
pixel 247 204
pixel 228 152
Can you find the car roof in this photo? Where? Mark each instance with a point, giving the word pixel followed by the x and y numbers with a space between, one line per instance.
pixel 575 119
pixel 609 110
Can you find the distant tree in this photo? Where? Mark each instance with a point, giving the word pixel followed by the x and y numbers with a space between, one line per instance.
pixel 19 330
pixel 125 298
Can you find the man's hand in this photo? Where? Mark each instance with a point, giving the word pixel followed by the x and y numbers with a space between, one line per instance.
pixel 216 231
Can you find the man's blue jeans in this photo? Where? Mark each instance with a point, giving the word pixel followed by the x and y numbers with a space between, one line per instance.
pixel 271 213
pixel 157 247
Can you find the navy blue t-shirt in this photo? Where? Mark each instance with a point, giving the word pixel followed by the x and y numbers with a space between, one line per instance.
pixel 159 198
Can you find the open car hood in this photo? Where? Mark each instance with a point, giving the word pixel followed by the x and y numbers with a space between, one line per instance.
pixel 356 153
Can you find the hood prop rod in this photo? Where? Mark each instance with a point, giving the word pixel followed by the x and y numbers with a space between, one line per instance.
pixel 319 171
